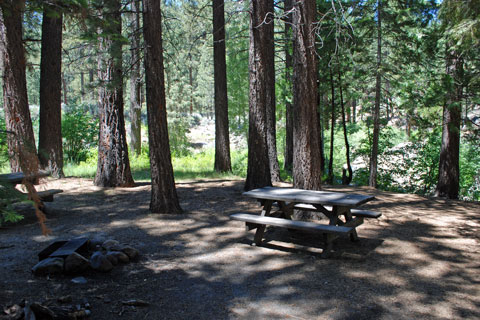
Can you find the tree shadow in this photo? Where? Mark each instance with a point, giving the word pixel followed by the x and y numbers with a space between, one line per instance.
pixel 200 265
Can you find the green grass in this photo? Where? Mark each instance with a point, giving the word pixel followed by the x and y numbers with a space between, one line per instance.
pixel 188 167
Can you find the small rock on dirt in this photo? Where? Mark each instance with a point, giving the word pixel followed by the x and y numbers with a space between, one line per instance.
pixel 131 252
pixel 100 262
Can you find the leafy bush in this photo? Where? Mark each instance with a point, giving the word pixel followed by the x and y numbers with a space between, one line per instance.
pixel 80 133
pixel 7 193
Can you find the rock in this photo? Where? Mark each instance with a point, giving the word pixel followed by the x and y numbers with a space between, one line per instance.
pixel 112 257
pixel 48 266
pixel 131 252
pixel 79 280
pixel 111 245
pixel 121 257
pixel 99 262
pixel 76 263
pixel 97 240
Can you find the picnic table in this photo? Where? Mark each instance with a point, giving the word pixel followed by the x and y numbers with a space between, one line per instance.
pixel 20 178
pixel 340 209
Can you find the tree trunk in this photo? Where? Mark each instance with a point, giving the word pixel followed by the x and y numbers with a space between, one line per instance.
pixel 135 83
pixel 259 169
pixel 332 131
pixel 164 195
pixel 222 139
pixel 449 172
pixel 346 179
pixel 65 89
pixel 288 76
pixel 50 151
pixel 306 159
pixel 113 169
pixel 372 181
pixel 21 141
pixel 267 39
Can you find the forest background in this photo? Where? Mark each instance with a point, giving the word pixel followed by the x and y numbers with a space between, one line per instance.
pixel 415 39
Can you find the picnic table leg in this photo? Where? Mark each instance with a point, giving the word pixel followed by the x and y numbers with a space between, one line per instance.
pixel 267 207
pixel 353 234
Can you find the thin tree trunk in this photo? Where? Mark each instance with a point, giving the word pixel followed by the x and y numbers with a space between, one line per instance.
pixel 258 170
pixel 113 169
pixel 306 159
pixel 332 131
pixel 222 139
pixel 50 149
pixel 135 83
pixel 346 179
pixel 288 76
pixel 20 140
pixel 65 89
pixel 354 110
pixel 372 181
pixel 449 171
pixel 164 197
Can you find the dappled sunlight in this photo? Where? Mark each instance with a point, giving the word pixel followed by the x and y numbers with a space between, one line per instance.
pixel 419 260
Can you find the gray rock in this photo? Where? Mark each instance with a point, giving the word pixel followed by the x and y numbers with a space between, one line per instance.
pixel 121 257
pixel 99 262
pixel 112 257
pixel 76 263
pixel 48 266
pixel 111 245
pixel 79 280
pixel 97 240
pixel 131 252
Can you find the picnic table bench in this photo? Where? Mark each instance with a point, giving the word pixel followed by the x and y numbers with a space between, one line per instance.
pixel 334 205
pixel 20 178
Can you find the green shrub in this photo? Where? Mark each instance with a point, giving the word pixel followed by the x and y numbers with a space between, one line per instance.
pixel 80 133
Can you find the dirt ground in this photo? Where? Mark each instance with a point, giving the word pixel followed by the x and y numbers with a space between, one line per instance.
pixel 420 260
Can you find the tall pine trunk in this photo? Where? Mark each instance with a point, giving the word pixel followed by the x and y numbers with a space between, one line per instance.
pixel 164 195
pixel 113 168
pixel 306 145
pixel 346 178
pixel 288 76
pixel 135 83
pixel 449 171
pixel 372 181
pixel 20 138
pixel 222 139
pixel 259 169
pixel 267 36
pixel 50 151
pixel 332 130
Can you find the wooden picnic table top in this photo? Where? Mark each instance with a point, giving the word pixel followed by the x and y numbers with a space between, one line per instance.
pixel 18 177
pixel 328 198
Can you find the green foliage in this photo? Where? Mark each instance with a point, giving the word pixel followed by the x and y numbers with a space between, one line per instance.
pixel 179 125
pixel 80 133
pixel 3 143
pixel 9 195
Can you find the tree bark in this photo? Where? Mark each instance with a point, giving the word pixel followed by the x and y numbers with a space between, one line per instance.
pixel 113 169
pixel 259 169
pixel 266 27
pixel 332 130
pixel 306 147
pixel 346 179
pixel 288 76
pixel 135 83
pixel 449 171
pixel 372 181
pixel 50 151
pixel 164 195
pixel 222 139
pixel 21 141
